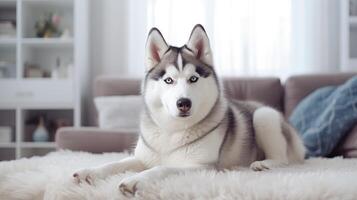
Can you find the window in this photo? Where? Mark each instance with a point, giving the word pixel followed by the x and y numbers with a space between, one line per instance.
pixel 247 37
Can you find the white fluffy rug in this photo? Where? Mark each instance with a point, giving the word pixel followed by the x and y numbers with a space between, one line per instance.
pixel 50 177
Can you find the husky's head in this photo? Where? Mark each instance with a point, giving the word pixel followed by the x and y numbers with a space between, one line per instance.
pixel 180 87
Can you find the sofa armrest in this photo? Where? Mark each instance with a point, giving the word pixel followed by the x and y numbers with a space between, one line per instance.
pixel 95 140
pixel 347 147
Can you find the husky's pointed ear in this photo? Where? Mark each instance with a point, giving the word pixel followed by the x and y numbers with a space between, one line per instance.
pixel 155 48
pixel 199 44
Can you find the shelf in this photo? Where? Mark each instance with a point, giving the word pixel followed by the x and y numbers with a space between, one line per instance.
pixel 7 41
pixel 6 3
pixel 38 145
pixel 8 145
pixel 49 93
pixel 49 2
pixel 64 82
pixel 26 58
pixel 5 106
pixel 47 42
pixel 29 152
pixel 34 106
pixel 52 106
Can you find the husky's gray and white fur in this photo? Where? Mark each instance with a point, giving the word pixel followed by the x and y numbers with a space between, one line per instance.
pixel 189 124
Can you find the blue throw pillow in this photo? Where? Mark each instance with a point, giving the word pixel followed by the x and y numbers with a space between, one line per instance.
pixel 325 116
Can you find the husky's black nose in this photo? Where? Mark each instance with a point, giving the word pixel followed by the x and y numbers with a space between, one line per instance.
pixel 183 105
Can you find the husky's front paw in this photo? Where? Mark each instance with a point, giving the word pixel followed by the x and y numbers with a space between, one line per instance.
pixel 129 186
pixel 259 166
pixel 266 165
pixel 87 175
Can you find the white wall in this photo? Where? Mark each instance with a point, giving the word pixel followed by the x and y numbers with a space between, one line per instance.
pixel 316 35
pixel 118 35
pixel 109 37
pixel 108 45
pixel 137 37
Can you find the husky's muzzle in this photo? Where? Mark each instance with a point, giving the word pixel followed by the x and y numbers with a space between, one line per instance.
pixel 184 106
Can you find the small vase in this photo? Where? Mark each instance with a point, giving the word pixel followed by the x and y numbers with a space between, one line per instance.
pixel 41 133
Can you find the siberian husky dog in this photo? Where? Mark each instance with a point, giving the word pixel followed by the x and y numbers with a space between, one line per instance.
pixel 188 123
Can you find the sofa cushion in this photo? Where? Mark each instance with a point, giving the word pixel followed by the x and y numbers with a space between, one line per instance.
pixel 325 116
pixel 119 112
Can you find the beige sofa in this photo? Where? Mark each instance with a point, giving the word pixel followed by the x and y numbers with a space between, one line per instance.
pixel 268 90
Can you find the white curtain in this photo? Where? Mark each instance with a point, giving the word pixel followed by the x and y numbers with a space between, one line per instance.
pixel 176 18
pixel 315 36
pixel 256 37
pixel 252 37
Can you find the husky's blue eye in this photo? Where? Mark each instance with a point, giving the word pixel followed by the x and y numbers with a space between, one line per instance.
pixel 193 79
pixel 169 80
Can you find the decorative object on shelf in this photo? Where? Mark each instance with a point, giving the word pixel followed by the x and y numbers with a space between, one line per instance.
pixel 34 71
pixel 61 71
pixel 7 69
pixel 48 26
pixel 69 70
pixel 41 133
pixel 7 22
pixel 5 134
pixel 7 29
pixel 55 70
pixel 66 34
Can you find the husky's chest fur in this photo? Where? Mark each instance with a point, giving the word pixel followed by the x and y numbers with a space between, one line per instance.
pixel 224 139
pixel 173 149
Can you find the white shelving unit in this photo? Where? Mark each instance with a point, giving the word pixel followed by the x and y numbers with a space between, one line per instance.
pixel 23 99
pixel 348 35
